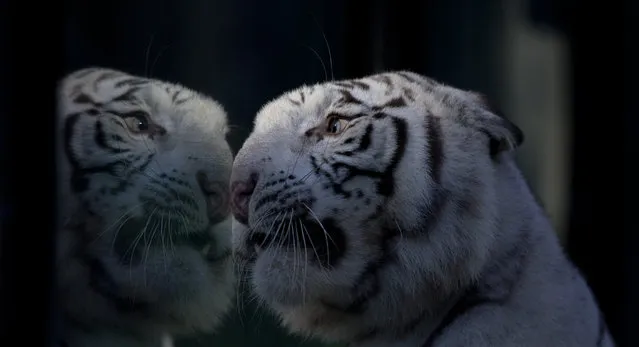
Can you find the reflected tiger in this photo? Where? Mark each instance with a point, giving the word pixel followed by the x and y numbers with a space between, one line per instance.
pixel 144 241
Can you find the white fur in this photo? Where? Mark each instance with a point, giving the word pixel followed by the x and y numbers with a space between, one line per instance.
pixel 489 233
pixel 185 292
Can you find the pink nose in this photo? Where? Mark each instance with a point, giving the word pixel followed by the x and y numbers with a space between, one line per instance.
pixel 241 192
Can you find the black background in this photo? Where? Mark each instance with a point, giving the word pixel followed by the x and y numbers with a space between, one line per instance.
pixel 246 52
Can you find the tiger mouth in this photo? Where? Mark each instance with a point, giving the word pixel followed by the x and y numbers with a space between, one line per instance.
pixel 132 236
pixel 312 235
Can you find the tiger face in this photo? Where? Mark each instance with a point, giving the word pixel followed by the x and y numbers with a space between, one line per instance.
pixel 346 190
pixel 149 152
pixel 144 171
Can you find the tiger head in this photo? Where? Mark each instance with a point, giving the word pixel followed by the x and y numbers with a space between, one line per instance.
pixel 144 167
pixel 358 199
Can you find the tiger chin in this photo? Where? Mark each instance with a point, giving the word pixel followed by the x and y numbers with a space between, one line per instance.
pixel 145 227
pixel 388 211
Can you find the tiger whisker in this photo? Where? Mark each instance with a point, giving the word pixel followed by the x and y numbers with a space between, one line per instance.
pixel 117 233
pixel 303 228
pixel 138 237
pixel 144 235
pixel 147 250
pixel 146 56
pixel 328 47
pixel 305 264
pixel 320 224
pixel 323 271
pixel 123 215
pixel 294 237
pixel 320 60
pixel 244 271
pixel 162 235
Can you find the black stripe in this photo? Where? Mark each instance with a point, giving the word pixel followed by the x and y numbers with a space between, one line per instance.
pixel 336 186
pixel 274 196
pixel 408 93
pixel 426 84
pixel 302 96
pixel 361 85
pixel 182 101
pixel 364 142
pixel 267 199
pixel 92 112
pixel 386 186
pixel 175 95
pixel 127 95
pixel 435 147
pixel 493 288
pixel 132 82
pixel 386 182
pixel 101 141
pixel 394 102
pixel 344 84
pixel 125 183
pixel 466 304
pixel 383 79
pixel 348 98
pixel 294 102
pixel 83 98
pixel 368 285
pixel 349 117
pixel 408 77
pixel 170 194
pixel 107 74
pixel 79 180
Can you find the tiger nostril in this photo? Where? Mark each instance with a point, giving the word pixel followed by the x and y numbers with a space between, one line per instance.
pixel 241 192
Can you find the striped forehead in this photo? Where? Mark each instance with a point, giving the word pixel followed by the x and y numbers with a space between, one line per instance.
pixel 295 108
pixel 117 89
pixel 309 104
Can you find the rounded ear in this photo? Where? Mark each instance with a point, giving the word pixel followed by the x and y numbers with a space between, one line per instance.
pixel 504 135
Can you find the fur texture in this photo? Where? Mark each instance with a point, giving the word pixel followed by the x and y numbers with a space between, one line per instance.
pixel 144 243
pixel 388 211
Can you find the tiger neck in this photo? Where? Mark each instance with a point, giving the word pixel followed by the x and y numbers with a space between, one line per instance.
pixel 521 228
pixel 428 329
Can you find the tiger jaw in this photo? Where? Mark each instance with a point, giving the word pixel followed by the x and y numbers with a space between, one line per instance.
pixel 137 236
pixel 323 242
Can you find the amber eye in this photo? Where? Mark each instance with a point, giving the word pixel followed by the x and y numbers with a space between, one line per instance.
pixel 334 125
pixel 137 122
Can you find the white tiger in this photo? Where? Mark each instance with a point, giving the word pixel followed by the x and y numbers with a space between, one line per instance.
pixel 389 211
pixel 144 245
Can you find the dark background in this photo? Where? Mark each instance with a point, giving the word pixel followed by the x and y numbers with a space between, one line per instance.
pixel 244 53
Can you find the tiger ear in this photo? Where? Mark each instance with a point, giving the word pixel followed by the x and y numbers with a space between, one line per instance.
pixel 504 135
